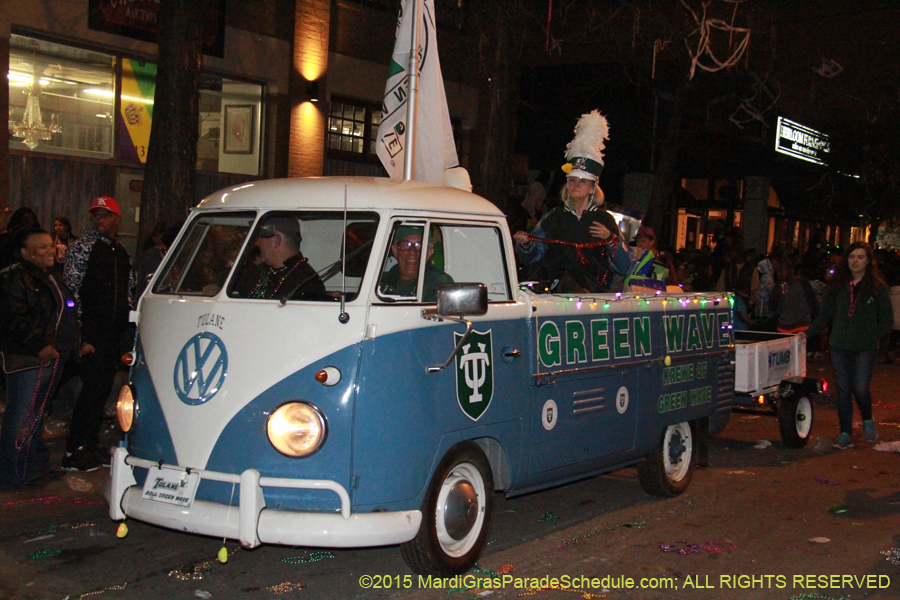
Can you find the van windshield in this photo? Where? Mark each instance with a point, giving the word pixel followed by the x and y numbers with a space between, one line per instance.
pixel 200 264
pixel 290 255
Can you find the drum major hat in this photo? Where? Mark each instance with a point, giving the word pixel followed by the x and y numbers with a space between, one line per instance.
pixel 585 152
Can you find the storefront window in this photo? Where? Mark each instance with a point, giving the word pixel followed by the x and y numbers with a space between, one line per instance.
pixel 61 99
pixel 225 106
pixel 229 125
pixel 353 129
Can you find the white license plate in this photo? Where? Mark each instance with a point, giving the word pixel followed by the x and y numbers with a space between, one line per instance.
pixel 171 486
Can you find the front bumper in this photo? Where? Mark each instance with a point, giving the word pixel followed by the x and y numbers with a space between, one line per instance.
pixel 250 521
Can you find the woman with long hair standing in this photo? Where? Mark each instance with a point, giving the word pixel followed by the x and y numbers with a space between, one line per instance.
pixel 858 305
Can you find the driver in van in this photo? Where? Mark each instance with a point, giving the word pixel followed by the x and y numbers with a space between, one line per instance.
pixel 401 279
pixel 282 267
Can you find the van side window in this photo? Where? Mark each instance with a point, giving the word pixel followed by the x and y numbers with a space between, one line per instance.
pixel 400 274
pixel 473 254
pixel 454 253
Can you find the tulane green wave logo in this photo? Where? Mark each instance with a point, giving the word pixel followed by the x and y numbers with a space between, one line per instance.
pixel 474 373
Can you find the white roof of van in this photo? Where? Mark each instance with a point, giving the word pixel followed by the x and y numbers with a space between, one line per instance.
pixel 362 193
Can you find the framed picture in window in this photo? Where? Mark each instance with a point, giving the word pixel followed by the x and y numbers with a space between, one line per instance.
pixel 238 138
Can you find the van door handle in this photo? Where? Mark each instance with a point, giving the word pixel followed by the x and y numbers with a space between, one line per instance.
pixel 511 352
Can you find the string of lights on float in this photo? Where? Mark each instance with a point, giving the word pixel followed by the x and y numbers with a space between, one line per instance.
pixel 642 299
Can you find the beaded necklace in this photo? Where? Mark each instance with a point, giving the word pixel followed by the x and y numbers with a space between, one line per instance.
pixel 32 418
pixel 610 243
pixel 260 290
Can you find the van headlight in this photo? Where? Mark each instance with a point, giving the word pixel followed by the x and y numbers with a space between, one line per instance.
pixel 126 408
pixel 297 429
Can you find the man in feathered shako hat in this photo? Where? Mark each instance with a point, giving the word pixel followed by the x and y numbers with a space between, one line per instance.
pixel 578 245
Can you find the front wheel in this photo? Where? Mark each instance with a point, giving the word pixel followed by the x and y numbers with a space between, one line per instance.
pixel 795 420
pixel 668 470
pixel 457 514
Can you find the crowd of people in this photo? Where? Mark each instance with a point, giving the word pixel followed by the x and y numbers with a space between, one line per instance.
pixel 576 247
pixel 64 306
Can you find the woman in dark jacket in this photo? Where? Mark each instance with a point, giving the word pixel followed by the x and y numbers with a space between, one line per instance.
pixel 578 244
pixel 859 304
pixel 38 333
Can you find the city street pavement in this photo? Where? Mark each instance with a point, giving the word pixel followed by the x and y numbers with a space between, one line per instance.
pixel 745 524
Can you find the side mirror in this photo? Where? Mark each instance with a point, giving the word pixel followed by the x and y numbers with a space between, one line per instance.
pixel 456 301
pixel 462 299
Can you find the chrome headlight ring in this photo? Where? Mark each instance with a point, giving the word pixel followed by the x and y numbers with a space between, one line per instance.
pixel 127 410
pixel 297 429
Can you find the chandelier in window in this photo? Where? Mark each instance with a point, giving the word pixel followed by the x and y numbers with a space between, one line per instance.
pixel 32 127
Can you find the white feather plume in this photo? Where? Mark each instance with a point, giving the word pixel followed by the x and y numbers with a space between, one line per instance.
pixel 590 132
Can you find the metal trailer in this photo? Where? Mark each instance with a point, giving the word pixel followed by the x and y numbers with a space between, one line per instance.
pixel 770 371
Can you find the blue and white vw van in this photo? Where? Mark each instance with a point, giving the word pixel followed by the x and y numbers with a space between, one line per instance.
pixel 378 414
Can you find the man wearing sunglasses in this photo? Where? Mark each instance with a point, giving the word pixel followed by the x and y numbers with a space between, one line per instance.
pixel 402 278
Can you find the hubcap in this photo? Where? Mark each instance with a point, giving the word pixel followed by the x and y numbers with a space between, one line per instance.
pixel 803 415
pixel 677 451
pixel 676 447
pixel 460 510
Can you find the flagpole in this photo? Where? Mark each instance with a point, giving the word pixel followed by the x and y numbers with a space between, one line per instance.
pixel 411 93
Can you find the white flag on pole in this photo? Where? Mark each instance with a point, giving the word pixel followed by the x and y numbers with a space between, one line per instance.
pixel 434 146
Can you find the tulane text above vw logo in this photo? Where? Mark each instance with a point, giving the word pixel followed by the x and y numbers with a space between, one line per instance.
pixel 200 368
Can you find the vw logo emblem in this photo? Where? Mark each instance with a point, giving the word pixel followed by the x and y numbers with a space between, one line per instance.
pixel 200 368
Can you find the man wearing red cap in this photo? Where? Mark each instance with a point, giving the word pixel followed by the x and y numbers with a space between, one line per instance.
pixel 98 271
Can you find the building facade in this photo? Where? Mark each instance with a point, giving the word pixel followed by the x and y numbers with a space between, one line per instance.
pixel 289 88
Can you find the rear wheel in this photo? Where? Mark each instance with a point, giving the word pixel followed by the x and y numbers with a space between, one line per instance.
pixel 795 420
pixel 457 514
pixel 668 470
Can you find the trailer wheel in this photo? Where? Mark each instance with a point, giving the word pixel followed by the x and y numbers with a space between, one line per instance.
pixel 457 514
pixel 668 470
pixel 795 419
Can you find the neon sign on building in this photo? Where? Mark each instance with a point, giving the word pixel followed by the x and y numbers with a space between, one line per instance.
pixel 802 142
